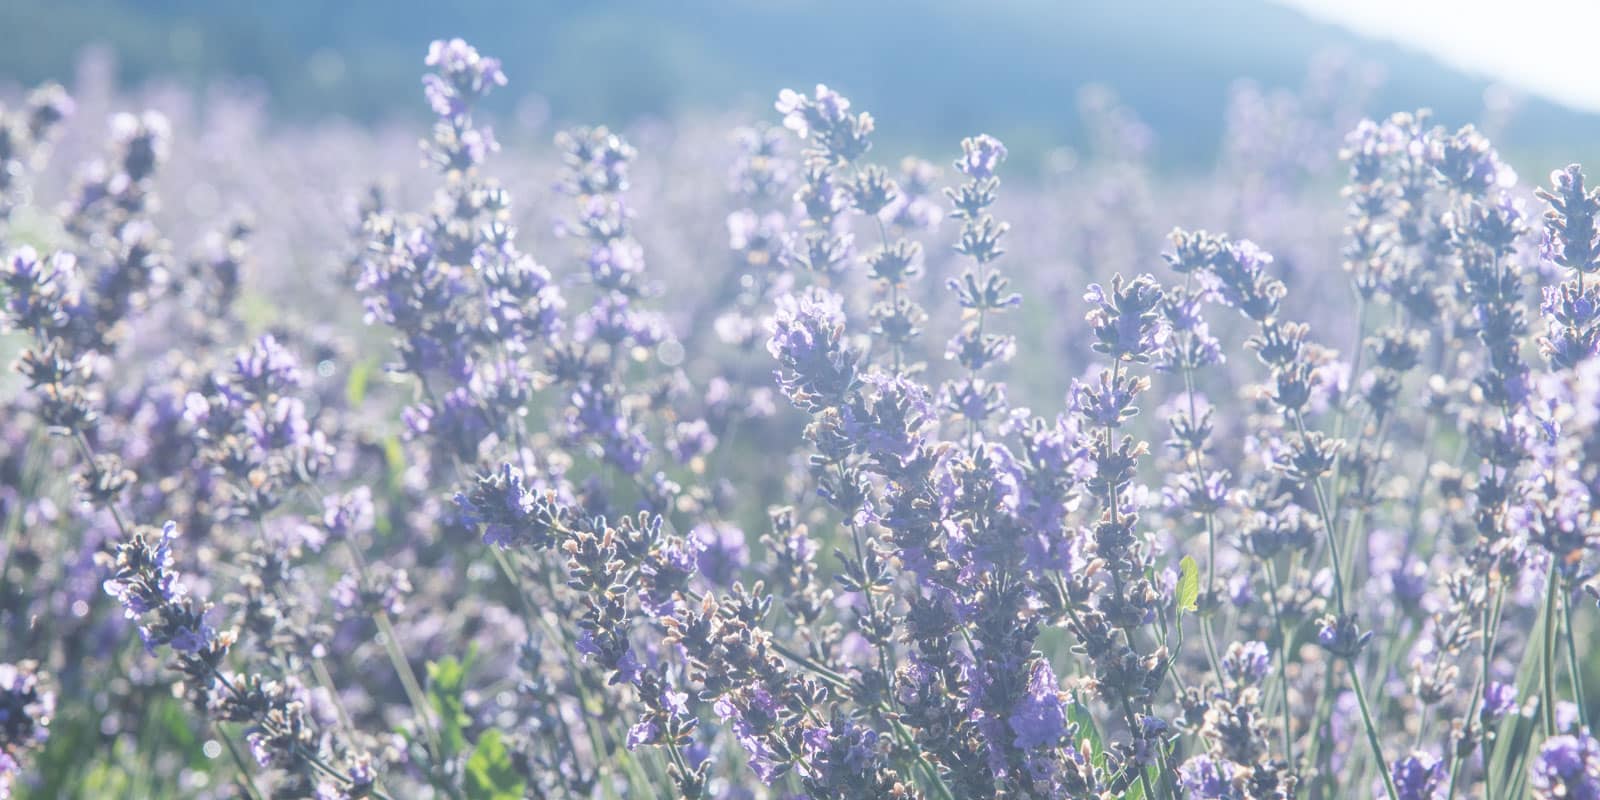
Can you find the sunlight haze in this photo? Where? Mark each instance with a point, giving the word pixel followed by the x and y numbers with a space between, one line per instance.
pixel 1514 43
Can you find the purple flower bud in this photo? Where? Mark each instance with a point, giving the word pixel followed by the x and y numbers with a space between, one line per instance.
pixel 980 156
pixel 1209 778
pixel 1246 663
pixel 720 551
pixel 1566 768
pixel 1039 720
pixel 1419 776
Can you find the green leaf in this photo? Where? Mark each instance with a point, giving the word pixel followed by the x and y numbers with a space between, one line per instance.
pixel 447 681
pixel 1078 714
pixel 394 457
pixel 178 728
pixel 490 774
pixel 1135 791
pixel 355 389
pixel 1188 585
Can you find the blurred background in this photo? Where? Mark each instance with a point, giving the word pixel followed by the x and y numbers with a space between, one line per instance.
pixel 930 72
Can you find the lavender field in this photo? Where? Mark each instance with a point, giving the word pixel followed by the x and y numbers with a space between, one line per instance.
pixel 747 456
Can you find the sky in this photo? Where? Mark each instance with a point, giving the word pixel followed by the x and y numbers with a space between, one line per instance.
pixel 1543 47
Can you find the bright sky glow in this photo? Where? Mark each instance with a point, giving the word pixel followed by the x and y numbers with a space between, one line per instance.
pixel 1544 47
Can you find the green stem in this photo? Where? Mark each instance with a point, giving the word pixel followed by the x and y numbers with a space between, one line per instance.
pixel 1547 651
pixel 1283 662
pixel 1338 585
pixel 402 667
pixel 1372 731
pixel 1573 665
pixel 245 781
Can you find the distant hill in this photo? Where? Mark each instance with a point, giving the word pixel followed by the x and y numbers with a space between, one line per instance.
pixel 930 71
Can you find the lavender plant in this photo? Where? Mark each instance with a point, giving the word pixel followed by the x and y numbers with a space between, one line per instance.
pixel 876 504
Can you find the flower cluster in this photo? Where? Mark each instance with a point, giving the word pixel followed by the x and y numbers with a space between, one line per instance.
pixel 26 705
pixel 1295 515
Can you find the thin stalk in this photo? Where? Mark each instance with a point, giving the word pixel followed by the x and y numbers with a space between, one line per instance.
pixel 1283 663
pixel 1133 729
pixel 1491 614
pixel 1372 732
pixel 1573 665
pixel 1547 652
pixel 245 780
pixel 402 666
pixel 1338 585
pixel 1206 635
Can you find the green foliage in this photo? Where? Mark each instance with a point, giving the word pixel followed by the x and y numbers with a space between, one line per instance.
pixel 355 387
pixel 1188 585
pixel 490 773
pixel 447 683
pixel 75 764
